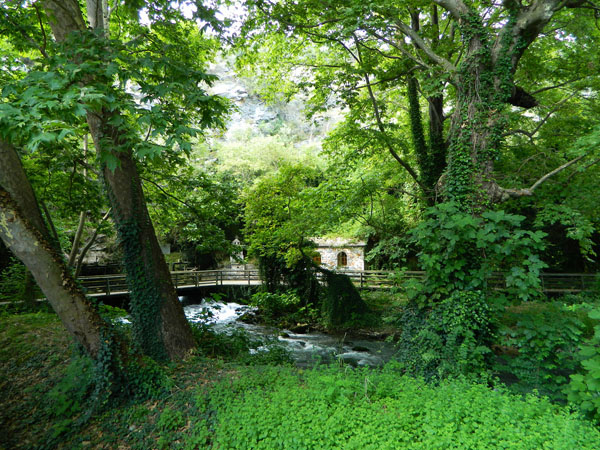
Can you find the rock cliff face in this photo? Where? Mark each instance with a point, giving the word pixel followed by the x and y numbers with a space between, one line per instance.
pixel 254 116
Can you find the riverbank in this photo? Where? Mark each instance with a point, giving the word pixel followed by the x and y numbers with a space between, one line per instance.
pixel 219 403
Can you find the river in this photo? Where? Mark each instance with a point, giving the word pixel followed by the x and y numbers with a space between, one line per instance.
pixel 305 349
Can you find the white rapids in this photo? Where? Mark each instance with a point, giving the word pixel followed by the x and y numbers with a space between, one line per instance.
pixel 306 349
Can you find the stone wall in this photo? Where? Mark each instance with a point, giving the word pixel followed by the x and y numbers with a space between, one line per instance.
pixel 331 250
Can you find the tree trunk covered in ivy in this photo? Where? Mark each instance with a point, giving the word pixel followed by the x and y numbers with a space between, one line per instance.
pixel 431 157
pixel 485 87
pixel 418 136
pixel 23 231
pixel 475 135
pixel 159 323
pixel 437 143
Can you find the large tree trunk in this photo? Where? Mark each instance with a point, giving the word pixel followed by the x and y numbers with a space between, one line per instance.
pixel 476 132
pixel 485 86
pixel 160 326
pixel 431 158
pixel 24 233
pixel 437 143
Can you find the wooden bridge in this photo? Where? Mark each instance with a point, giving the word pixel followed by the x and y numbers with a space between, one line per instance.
pixel 111 285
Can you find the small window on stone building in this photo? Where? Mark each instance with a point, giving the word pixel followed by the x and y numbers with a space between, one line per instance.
pixel 342 259
pixel 317 258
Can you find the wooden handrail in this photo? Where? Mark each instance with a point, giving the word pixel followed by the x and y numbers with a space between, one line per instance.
pixel 375 279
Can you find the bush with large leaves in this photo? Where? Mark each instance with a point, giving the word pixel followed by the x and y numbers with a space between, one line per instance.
pixel 449 323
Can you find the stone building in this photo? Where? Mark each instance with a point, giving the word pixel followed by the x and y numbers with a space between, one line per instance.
pixel 340 253
pixel 236 259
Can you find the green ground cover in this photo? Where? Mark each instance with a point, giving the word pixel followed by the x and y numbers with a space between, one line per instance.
pixel 218 404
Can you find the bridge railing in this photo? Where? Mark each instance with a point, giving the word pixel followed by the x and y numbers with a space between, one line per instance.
pixel 246 275
pixel 365 279
pixel 105 284
pixel 550 282
pixel 195 278
pixel 117 284
pixel 378 279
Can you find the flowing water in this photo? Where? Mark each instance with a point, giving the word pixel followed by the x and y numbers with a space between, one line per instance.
pixel 306 349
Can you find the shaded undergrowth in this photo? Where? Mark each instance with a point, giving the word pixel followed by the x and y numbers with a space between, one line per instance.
pixel 219 403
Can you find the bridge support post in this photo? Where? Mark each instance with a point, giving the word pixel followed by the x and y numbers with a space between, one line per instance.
pixel 541 281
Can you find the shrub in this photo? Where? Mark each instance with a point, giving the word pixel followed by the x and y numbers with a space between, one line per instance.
pixel 70 395
pixel 12 281
pixel 453 338
pixel 584 388
pixel 18 287
pixel 229 344
pixel 237 344
pixel 273 305
pixel 545 338
pixel 461 252
pixel 170 420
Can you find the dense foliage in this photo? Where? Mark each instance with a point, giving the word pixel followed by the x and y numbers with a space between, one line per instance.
pixel 462 252
pixel 208 404
pixel 332 408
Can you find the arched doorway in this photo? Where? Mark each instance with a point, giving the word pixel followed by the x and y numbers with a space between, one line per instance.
pixel 342 259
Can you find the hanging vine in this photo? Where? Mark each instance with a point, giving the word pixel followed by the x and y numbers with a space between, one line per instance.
pixel 428 178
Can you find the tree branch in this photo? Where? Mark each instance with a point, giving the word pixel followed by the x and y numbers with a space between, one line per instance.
pixel 594 162
pixel 526 160
pixel 455 7
pixel 26 36
pixel 39 16
pixel 556 86
pixel 168 194
pixel 380 81
pixel 517 35
pixel 51 224
pixel 501 194
pixel 532 133
pixel 521 98
pixel 422 45
pixel 89 244
pixel 77 239
pixel 404 51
